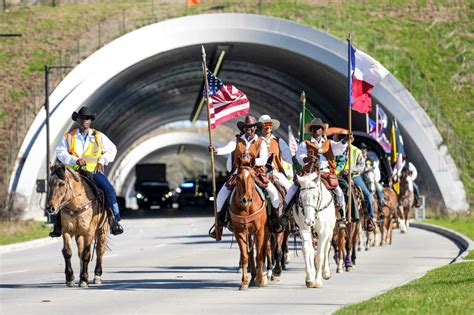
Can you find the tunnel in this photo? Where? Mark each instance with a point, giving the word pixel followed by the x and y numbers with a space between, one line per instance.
pixel 153 76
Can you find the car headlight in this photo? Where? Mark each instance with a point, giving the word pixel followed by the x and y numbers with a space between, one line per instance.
pixel 139 196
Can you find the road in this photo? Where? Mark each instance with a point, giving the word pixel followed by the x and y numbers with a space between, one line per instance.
pixel 168 265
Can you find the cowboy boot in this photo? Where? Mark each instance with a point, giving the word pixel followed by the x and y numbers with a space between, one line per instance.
pixel 57 228
pixel 341 223
pixel 217 230
pixel 115 227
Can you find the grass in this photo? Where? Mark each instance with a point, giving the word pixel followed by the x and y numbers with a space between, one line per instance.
pixel 445 290
pixel 427 45
pixel 20 231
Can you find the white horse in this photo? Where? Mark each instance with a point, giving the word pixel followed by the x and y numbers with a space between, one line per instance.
pixel 315 210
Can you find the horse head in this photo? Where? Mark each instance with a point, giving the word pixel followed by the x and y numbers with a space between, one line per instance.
pixel 60 190
pixel 308 196
pixel 245 181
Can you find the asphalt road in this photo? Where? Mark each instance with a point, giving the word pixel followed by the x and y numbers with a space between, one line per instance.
pixel 167 264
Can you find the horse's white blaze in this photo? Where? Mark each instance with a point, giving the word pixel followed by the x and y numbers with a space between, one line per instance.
pixel 323 223
pixel 246 174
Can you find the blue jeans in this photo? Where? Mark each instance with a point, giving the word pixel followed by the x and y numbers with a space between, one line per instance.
pixel 110 200
pixel 379 195
pixel 359 182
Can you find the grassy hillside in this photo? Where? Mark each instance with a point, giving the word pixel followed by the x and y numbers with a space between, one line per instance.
pixel 427 45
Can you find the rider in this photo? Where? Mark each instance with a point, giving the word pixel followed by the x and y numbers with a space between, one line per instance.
pixel 92 150
pixel 318 147
pixel 247 142
pixel 357 167
pixel 397 172
pixel 371 166
pixel 277 148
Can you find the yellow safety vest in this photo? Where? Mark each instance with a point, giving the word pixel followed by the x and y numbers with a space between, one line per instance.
pixel 354 156
pixel 91 154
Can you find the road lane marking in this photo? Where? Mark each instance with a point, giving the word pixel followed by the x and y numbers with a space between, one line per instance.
pixel 160 245
pixel 10 272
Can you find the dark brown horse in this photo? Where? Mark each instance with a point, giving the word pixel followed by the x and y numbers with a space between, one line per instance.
pixel 249 218
pixel 82 217
pixel 405 201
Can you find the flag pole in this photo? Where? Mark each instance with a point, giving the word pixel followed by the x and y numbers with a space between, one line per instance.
pixel 213 172
pixel 367 129
pixel 303 103
pixel 377 122
pixel 349 94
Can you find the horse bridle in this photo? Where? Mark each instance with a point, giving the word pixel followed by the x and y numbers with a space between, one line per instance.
pixel 63 205
pixel 318 207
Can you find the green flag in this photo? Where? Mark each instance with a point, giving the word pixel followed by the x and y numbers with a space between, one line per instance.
pixel 305 118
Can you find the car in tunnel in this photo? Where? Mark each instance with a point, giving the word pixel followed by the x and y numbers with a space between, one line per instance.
pixel 153 195
pixel 195 192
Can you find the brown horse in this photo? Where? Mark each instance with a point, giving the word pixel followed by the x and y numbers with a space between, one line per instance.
pixel 405 201
pixel 82 216
pixel 389 215
pixel 249 218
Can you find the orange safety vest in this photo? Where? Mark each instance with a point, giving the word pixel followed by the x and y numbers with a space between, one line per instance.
pixel 91 154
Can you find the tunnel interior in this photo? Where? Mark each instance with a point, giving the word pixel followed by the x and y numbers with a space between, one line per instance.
pixel 166 87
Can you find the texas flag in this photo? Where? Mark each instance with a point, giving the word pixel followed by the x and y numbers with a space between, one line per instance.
pixel 366 73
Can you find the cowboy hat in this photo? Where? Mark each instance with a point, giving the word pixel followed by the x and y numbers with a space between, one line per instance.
pixel 83 112
pixel 266 119
pixel 249 121
pixel 316 122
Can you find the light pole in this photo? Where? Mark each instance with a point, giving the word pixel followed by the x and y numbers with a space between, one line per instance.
pixel 47 70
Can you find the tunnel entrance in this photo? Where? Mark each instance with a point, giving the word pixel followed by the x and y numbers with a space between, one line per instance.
pixel 152 77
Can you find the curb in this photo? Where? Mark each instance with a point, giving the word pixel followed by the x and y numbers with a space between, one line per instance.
pixel 29 244
pixel 464 243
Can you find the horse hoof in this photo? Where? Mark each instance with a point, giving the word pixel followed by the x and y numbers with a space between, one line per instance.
pixel 275 279
pixel 83 284
pixel 349 269
pixel 251 283
pixel 310 284
pixel 318 284
pixel 287 259
pixel 70 283
pixel 244 287
pixel 97 280
pixel 262 283
pixel 340 270
pixel 326 276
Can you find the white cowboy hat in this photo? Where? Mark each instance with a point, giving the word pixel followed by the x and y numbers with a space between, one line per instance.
pixel 266 118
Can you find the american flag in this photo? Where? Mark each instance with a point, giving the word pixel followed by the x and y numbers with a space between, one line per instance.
pixel 225 101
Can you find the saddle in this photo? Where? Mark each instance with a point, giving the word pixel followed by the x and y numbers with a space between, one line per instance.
pixel 97 191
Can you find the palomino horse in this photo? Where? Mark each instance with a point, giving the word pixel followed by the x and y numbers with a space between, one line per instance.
pixel 315 211
pixel 249 218
pixel 405 200
pixel 82 216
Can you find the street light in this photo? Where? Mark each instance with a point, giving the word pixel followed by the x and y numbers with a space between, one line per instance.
pixel 47 70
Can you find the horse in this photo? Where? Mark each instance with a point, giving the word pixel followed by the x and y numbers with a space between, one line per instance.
pixel 249 218
pixel 353 228
pixel 315 212
pixel 406 199
pixel 83 216
pixel 391 200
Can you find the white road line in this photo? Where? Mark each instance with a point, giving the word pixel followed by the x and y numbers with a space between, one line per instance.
pixel 160 245
pixel 10 272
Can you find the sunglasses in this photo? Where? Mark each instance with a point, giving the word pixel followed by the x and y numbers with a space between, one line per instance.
pixel 268 125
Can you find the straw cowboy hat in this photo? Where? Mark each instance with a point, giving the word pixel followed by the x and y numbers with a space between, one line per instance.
pixel 316 122
pixel 83 112
pixel 249 121
pixel 266 119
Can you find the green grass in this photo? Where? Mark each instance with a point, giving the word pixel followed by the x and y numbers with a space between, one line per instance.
pixel 20 231
pixel 445 290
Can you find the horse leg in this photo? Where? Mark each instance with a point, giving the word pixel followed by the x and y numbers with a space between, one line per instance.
pixel 324 238
pixel 327 248
pixel 251 258
pixel 278 254
pixel 355 240
pixel 402 219
pixel 84 252
pixel 308 253
pixel 242 241
pixel 260 240
pixel 341 243
pixel 269 259
pixel 100 251
pixel 67 254
pixel 349 246
pixel 285 249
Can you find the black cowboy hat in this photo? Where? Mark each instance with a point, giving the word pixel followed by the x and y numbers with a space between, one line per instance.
pixel 249 121
pixel 83 112
pixel 363 146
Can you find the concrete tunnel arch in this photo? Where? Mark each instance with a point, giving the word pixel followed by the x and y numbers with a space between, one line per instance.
pixel 151 77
